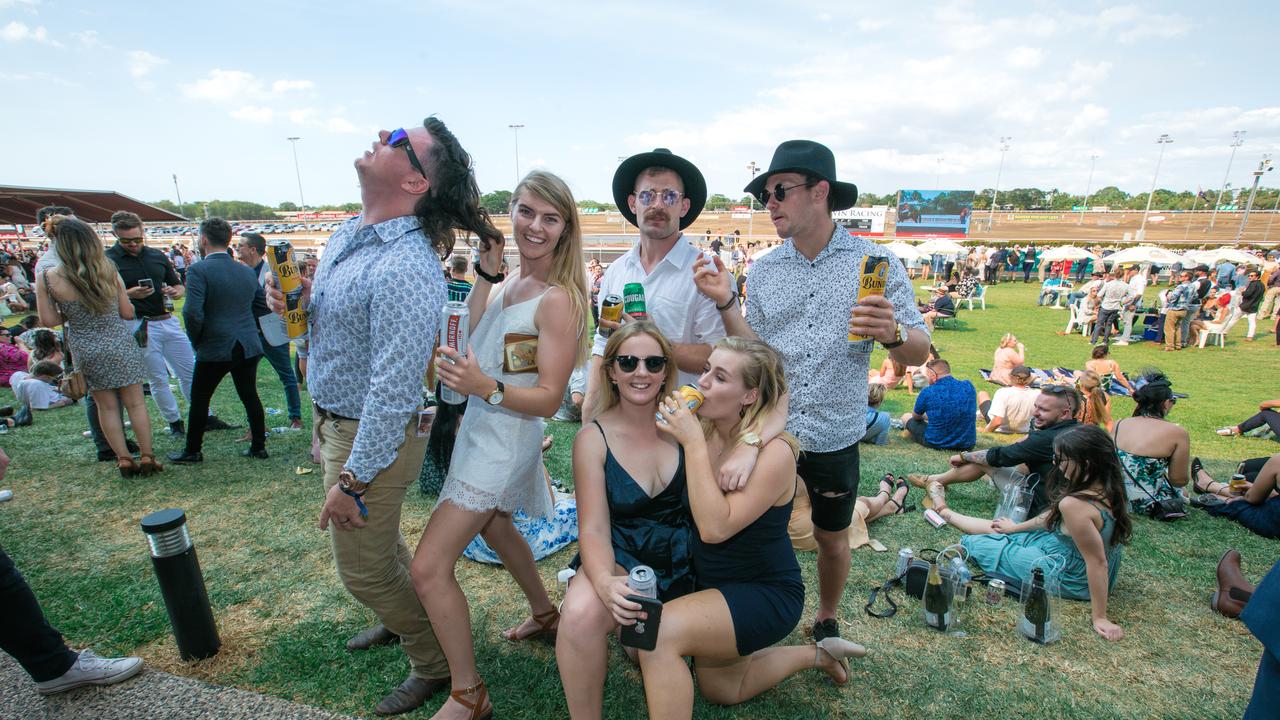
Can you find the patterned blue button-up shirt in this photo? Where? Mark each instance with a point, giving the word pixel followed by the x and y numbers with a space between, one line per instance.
pixel 801 307
pixel 375 307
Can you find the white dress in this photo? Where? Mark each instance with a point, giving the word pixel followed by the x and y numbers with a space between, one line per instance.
pixel 497 457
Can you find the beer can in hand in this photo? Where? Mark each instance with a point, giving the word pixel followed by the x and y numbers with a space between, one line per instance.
pixel 455 328
pixel 875 276
pixel 633 300
pixel 289 280
pixel 692 398
pixel 611 310
pixel 643 581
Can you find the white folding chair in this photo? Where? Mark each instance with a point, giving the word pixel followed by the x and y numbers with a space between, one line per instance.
pixel 979 294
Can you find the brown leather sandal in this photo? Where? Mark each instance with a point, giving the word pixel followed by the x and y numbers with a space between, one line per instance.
pixel 127 467
pixel 548 624
pixel 477 708
pixel 147 465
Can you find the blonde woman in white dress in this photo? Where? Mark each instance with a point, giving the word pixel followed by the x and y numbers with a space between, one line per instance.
pixel 496 466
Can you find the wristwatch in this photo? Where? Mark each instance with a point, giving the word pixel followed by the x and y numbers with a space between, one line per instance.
pixel 899 337
pixel 752 439
pixel 348 483
pixel 495 397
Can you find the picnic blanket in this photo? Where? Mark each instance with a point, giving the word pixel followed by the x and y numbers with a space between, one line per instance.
pixel 1067 376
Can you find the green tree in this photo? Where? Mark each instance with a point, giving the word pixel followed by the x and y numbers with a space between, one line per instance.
pixel 1110 196
pixel 287 206
pixel 497 202
pixel 718 202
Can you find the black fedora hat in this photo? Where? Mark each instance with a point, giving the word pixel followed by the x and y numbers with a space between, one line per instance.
pixel 810 158
pixel 624 182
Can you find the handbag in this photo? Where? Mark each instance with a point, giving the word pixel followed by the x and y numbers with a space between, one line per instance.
pixel 73 384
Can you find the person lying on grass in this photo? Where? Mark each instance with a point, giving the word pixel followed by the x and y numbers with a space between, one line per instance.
pixel 1085 526
pixel 1255 506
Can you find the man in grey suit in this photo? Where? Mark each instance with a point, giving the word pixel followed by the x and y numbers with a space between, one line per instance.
pixel 224 302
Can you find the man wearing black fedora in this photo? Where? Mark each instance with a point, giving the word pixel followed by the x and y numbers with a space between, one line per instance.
pixel 660 193
pixel 802 300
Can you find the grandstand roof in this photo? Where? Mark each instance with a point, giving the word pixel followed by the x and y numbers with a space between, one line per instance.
pixel 19 204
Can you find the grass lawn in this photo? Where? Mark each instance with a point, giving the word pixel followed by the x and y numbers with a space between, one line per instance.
pixel 73 530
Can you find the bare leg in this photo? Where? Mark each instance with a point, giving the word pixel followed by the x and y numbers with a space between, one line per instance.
pixel 582 648
pixel 965 523
pixel 833 569
pixel 517 558
pixel 879 506
pixel 136 404
pixel 448 532
pixel 109 418
pixel 983 396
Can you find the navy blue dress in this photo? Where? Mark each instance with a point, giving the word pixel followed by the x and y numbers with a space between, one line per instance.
pixel 757 573
pixel 654 531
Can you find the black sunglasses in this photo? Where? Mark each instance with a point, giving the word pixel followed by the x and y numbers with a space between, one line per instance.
pixel 1056 389
pixel 400 139
pixel 629 363
pixel 779 192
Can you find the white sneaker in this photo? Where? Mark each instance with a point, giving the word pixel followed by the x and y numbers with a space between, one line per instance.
pixel 1227 431
pixel 89 669
pixel 1120 342
pixel 6 495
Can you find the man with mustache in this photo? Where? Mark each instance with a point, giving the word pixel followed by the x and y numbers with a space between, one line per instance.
pixel 661 194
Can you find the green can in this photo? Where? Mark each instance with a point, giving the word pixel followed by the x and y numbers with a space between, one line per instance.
pixel 633 300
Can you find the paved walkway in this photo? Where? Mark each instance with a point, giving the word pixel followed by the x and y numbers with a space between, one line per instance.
pixel 153 695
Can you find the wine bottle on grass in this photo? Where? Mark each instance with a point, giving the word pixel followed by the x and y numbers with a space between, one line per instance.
pixel 937 601
pixel 1037 612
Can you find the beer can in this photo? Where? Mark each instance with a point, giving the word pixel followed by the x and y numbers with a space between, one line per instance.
pixel 875 276
pixel 633 300
pixel 643 581
pixel 611 310
pixel 455 327
pixel 904 561
pixel 995 592
pixel 692 398
pixel 289 280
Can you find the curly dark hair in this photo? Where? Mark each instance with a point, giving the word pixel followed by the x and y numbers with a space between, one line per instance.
pixel 1094 454
pixel 453 202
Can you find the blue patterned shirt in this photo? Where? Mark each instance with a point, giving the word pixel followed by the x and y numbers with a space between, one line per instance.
pixel 801 307
pixel 375 307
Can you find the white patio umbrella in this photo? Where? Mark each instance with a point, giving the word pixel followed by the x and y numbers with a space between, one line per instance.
pixel 904 251
pixel 1067 252
pixel 1143 254
pixel 1232 255
pixel 940 246
pixel 761 253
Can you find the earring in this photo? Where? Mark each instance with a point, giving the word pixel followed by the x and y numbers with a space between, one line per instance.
pixel 742 412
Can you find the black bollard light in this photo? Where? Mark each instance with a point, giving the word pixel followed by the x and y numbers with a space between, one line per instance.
pixel 181 584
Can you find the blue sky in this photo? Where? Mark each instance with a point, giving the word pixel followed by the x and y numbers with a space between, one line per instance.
pixel 123 95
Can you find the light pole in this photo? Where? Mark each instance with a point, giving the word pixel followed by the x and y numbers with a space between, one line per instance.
pixel 515 133
pixel 1274 208
pixel 179 193
pixel 1237 139
pixel 1161 141
pixel 1264 166
pixel 297 170
pixel 1088 188
pixel 991 216
pixel 937 175
pixel 751 217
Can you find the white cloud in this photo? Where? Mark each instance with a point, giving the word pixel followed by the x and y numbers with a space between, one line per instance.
pixel 141 63
pixel 21 32
pixel 1025 58
pixel 6 4
pixel 341 125
pixel 1131 23
pixel 89 39
pixel 254 114
pixel 224 85
pixel 872 24
pixel 281 86
pixel 302 116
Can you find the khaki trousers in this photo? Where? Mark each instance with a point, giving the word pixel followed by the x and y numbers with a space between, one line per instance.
pixel 1172 324
pixel 373 561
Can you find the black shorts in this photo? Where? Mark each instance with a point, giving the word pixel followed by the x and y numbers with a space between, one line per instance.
pixel 830 472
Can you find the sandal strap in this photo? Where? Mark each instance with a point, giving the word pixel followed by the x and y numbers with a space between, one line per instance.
pixel 481 692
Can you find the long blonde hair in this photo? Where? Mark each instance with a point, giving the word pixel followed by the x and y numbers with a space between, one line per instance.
pixel 567 271
pixel 84 264
pixel 608 397
pixel 761 371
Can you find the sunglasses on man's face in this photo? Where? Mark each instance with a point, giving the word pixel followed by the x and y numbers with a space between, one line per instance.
pixel 399 138
pixel 130 241
pixel 779 191
pixel 648 197
pixel 629 363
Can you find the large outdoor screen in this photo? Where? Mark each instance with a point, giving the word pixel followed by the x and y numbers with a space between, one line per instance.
pixel 934 212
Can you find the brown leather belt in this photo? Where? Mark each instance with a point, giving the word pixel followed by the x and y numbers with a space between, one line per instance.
pixel 158 318
pixel 326 415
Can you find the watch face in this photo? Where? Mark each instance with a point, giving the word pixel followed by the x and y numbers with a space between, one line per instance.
pixel 495 398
